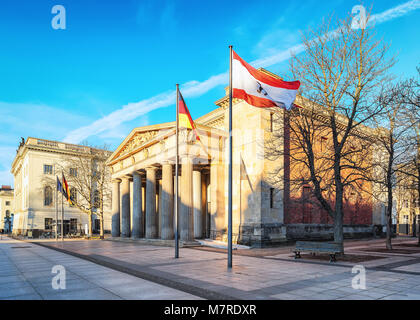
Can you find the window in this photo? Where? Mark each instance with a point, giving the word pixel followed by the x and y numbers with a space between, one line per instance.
pixel 73 172
pixel 7 203
pixel 48 223
pixel 7 213
pixel 73 194
pixel 323 144
pixel 271 198
pixel 271 122
pixel 405 204
pixel 405 218
pixel 97 225
pixel 48 196
pixel 48 169
pixel 306 192
pixel 73 225
pixel 96 199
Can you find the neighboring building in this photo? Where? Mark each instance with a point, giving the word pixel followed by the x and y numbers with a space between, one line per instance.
pixel 35 167
pixel 264 212
pixel 408 206
pixel 6 208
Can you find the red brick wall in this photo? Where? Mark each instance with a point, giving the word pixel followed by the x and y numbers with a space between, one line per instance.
pixel 298 210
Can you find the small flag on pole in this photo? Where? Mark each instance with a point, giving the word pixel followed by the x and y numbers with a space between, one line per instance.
pixel 66 191
pixel 59 186
pixel 185 120
pixel 260 89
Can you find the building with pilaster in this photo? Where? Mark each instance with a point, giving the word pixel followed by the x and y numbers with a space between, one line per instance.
pixel 35 167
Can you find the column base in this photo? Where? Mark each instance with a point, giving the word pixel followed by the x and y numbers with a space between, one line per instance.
pixel 156 242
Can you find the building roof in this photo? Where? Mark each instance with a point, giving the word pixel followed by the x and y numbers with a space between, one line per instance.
pixel 51 146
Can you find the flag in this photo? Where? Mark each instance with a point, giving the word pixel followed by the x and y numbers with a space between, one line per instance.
pixel 66 190
pixel 260 89
pixel 185 120
pixel 59 186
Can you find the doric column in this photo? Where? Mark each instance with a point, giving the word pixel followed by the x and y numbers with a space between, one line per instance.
pixel 167 232
pixel 116 208
pixel 151 230
pixel 198 218
pixel 186 219
pixel 125 204
pixel 137 230
pixel 159 207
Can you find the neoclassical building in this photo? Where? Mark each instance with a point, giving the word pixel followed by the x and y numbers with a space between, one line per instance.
pixel 35 167
pixel 7 204
pixel 264 212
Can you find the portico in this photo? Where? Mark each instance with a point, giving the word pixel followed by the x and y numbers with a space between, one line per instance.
pixel 143 177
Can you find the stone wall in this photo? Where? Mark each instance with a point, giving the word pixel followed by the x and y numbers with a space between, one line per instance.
pixel 325 231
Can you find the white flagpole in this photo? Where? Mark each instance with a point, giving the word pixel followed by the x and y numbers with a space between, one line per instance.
pixel 176 175
pixel 56 211
pixel 230 164
pixel 62 211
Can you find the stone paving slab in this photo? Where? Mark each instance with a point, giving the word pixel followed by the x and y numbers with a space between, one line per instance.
pixel 204 272
pixel 25 274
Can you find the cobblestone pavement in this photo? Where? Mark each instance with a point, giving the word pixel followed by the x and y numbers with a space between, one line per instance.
pixel 275 275
pixel 26 274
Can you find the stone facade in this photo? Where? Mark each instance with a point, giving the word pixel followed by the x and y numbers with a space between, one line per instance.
pixel 36 165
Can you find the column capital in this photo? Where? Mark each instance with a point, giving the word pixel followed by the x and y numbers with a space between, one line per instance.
pixel 151 168
pixel 117 180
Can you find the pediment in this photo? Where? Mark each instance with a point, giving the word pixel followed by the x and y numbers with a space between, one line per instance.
pixel 138 137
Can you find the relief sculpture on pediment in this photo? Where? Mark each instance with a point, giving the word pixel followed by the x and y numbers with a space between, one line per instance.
pixel 138 140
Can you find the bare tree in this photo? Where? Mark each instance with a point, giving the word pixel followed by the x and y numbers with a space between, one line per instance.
pixel 408 93
pixel 91 182
pixel 391 148
pixel 340 70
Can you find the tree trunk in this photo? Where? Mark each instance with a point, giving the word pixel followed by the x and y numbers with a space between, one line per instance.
pixel 418 199
pixel 338 218
pixel 90 226
pixel 101 226
pixel 389 220
pixel 389 191
pixel 101 218
pixel 338 227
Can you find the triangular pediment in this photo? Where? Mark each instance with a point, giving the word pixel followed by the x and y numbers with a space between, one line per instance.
pixel 144 136
pixel 138 137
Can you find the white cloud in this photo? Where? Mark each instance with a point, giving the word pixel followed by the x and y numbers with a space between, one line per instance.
pixel 395 12
pixel 195 88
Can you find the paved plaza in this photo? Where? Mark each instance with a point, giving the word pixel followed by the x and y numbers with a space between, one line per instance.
pixel 25 274
pixel 129 270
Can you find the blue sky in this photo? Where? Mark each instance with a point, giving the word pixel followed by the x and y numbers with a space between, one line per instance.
pixel 115 65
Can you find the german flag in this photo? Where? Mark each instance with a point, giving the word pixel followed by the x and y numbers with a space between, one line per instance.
pixel 66 191
pixel 185 120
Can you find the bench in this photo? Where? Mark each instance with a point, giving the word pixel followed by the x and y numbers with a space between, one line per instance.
pixel 331 248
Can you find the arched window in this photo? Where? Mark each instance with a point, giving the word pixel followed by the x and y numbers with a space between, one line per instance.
pixel 73 194
pixel 48 196
pixel 7 213
pixel 96 200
